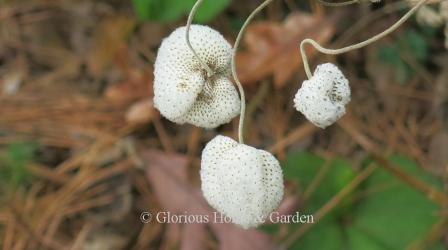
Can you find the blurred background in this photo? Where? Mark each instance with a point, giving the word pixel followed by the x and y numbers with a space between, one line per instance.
pixel 83 153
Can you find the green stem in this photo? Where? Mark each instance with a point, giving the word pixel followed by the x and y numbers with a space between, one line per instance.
pixel 233 64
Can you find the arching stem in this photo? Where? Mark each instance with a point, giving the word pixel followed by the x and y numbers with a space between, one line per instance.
pixel 355 46
pixel 233 66
pixel 336 4
pixel 187 37
pixel 340 4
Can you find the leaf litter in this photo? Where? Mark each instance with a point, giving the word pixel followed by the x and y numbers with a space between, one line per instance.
pixel 76 77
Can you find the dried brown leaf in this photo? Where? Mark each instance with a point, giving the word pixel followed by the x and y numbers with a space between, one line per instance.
pixel 137 84
pixel 167 174
pixel 193 236
pixel 273 48
pixel 232 237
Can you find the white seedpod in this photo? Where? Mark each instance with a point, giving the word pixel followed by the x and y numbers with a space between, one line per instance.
pixel 323 97
pixel 241 182
pixel 183 91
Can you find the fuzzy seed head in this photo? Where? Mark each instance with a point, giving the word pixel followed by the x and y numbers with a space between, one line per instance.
pixel 322 98
pixel 241 182
pixel 183 91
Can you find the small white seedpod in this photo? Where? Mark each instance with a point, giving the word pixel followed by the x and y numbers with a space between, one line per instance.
pixel 241 182
pixel 323 97
pixel 183 90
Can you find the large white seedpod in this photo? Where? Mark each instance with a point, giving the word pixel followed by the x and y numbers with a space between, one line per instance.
pixel 183 91
pixel 241 182
pixel 322 98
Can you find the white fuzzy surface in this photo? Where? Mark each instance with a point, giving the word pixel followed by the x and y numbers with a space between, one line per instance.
pixel 182 92
pixel 322 98
pixel 241 182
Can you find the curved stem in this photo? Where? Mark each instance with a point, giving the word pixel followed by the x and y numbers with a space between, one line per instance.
pixel 324 3
pixel 355 46
pixel 187 37
pixel 374 15
pixel 233 65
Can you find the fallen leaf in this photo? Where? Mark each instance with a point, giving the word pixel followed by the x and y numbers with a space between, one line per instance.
pixel 232 237
pixel 137 84
pixel 167 174
pixel 193 236
pixel 273 48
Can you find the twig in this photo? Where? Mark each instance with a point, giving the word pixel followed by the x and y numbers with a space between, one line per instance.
pixel 93 150
pixel 47 173
pixel 292 137
pixel 361 24
pixel 436 232
pixel 33 233
pixel 163 136
pixel 193 143
pixel 8 234
pixel 317 179
pixel 430 191
pixel 354 46
pixel 252 106
pixel 330 205
pixel 81 237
